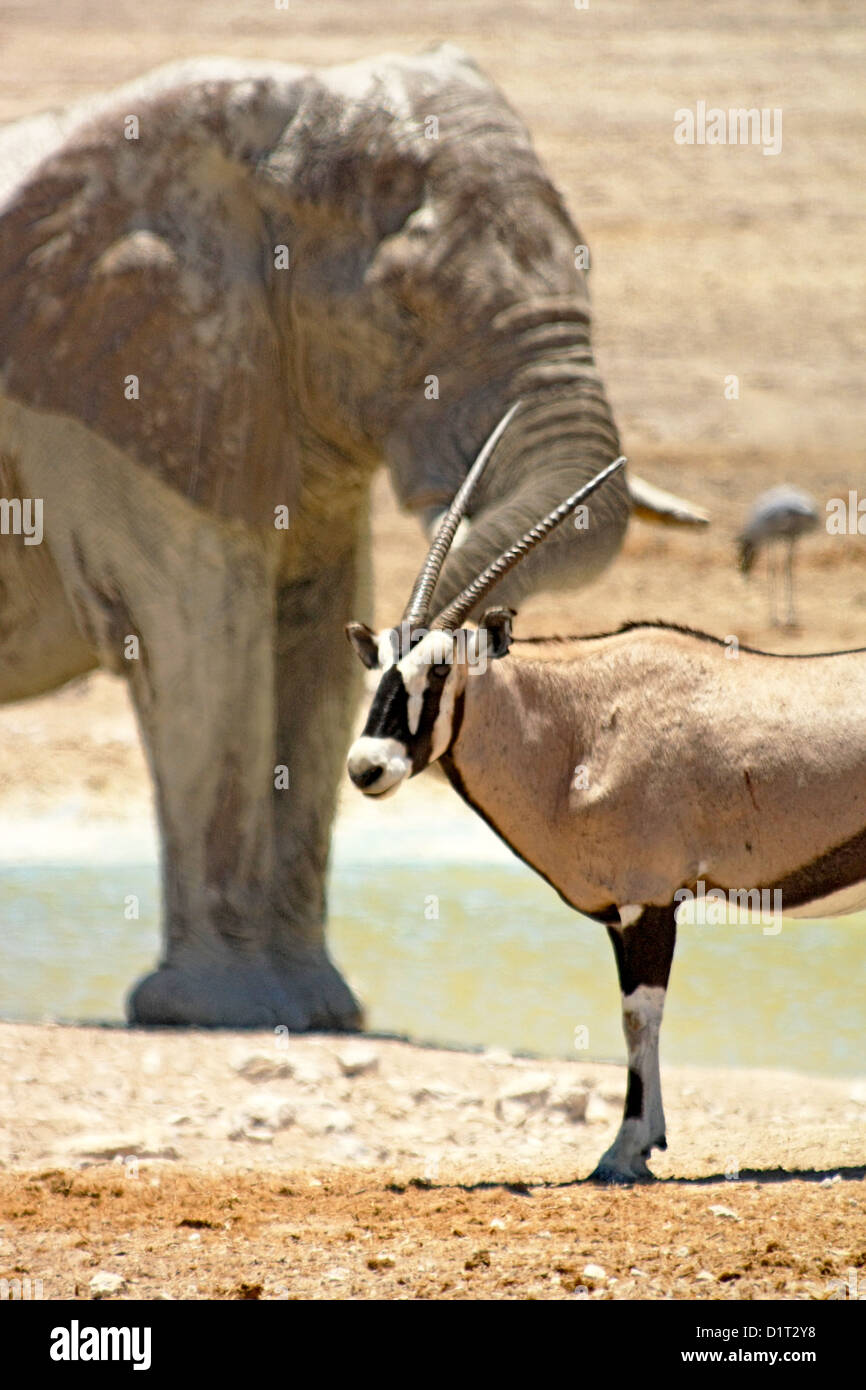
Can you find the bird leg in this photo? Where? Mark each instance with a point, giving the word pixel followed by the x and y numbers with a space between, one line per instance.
pixel 771 585
pixel 791 621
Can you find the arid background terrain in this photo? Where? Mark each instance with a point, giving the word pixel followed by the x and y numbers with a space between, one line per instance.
pixel 235 1165
pixel 707 262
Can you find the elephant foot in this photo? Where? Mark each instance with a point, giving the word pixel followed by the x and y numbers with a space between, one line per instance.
pixel 246 995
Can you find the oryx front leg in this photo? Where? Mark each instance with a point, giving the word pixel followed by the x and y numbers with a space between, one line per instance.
pixel 643 951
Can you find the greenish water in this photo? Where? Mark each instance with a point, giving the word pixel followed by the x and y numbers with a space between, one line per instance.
pixel 467 954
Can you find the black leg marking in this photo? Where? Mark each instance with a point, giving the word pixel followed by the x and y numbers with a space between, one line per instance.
pixel 634 1095
pixel 644 952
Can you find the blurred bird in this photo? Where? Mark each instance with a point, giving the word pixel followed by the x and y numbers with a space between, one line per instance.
pixel 784 513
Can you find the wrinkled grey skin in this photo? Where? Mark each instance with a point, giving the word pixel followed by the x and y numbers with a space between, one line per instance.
pixel 263 387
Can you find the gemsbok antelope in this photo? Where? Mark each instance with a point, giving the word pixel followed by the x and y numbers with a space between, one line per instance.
pixel 631 770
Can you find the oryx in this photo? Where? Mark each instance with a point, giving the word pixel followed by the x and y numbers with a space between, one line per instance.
pixel 631 770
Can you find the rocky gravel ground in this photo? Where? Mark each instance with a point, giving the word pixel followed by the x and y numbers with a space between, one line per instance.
pixel 80 1096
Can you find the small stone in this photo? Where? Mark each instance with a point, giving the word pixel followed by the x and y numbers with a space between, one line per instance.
pixel 325 1119
pixel 345 1147
pixel 307 1073
pixel 597 1112
pixel 523 1096
pixel 336 1275
pixel 718 1210
pixel 497 1057
pixel 103 1147
pixel 399 1085
pixel 253 1136
pixel 828 1182
pixel 263 1066
pixel 381 1262
pixel 108 1145
pixel 593 1272
pixel 638 1273
pixel 477 1259
pixel 339 1121
pixel 358 1059
pixel 706 1276
pixel 572 1102
pixel 104 1283
pixel 444 1095
pixel 267 1110
pixel 497 1224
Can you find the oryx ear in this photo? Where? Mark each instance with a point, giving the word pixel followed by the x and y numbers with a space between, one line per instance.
pixel 497 624
pixel 365 644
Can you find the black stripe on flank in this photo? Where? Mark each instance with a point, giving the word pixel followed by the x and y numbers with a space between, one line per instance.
pixel 837 869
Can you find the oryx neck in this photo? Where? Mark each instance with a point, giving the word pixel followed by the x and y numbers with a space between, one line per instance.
pixel 505 762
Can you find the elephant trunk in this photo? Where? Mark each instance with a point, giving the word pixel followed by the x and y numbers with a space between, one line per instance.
pixel 560 438
pixel 538 352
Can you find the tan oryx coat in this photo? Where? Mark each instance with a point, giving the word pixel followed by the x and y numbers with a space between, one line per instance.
pixel 628 766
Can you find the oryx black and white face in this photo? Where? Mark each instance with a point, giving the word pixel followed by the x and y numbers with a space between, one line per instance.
pixel 416 711
pixel 414 715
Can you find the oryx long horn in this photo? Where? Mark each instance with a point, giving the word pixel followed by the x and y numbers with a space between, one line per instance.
pixel 466 600
pixel 418 606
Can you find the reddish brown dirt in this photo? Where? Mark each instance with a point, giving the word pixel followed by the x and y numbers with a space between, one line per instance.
pixel 188 1235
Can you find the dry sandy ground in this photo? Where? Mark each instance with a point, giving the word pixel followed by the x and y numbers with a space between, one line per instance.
pixel 199 1165
pixel 706 262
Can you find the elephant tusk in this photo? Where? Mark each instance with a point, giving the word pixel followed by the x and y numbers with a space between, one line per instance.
pixel 651 503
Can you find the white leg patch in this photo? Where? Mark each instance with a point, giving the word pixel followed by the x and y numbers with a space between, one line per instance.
pixel 642 1015
pixel 629 913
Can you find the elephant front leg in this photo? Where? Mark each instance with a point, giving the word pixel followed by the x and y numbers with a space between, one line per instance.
pixel 243 927
pixel 202 687
pixel 317 687
pixel 644 951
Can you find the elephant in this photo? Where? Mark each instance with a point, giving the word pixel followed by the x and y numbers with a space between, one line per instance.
pixel 229 293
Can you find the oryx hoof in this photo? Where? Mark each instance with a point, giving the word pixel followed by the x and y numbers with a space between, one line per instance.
pixel 608 1176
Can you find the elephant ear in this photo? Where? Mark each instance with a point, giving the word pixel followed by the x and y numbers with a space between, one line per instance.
pixel 135 283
